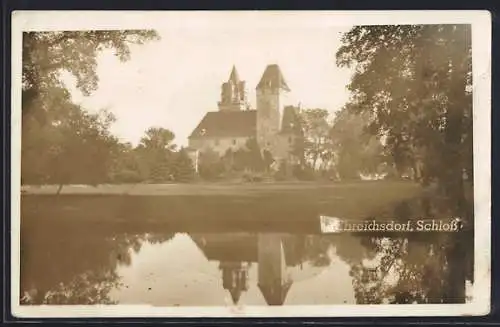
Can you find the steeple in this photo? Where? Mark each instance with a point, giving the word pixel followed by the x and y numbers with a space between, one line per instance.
pixel 235 295
pixel 274 278
pixel 275 293
pixel 234 77
pixel 272 96
pixel 233 95
pixel 234 278
pixel 273 79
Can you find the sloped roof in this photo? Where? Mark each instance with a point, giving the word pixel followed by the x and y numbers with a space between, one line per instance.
pixel 227 124
pixel 235 295
pixel 273 78
pixel 290 123
pixel 222 247
pixel 275 293
pixel 244 248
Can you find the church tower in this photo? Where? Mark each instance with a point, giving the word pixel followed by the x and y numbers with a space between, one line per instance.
pixel 271 92
pixel 233 94
pixel 274 278
pixel 234 278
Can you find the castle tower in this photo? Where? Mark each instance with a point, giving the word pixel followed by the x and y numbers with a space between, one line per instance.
pixel 274 278
pixel 234 278
pixel 233 94
pixel 271 92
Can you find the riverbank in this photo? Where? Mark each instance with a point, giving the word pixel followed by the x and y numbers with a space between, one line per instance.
pixel 297 204
pixel 222 188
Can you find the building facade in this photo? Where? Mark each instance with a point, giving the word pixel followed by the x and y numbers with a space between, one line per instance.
pixel 274 123
pixel 275 254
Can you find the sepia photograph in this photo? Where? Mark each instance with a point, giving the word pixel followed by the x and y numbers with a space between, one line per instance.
pixel 250 164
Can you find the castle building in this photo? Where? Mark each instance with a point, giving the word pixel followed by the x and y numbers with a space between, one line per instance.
pixel 274 253
pixel 274 124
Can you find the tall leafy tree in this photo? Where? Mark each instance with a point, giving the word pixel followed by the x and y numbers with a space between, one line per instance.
pixel 158 138
pixel 46 102
pixel 182 166
pixel 84 279
pixel 210 164
pixel 316 144
pixel 47 54
pixel 254 157
pixel 415 82
pixel 156 150
pixel 126 165
pixel 81 149
pixel 355 149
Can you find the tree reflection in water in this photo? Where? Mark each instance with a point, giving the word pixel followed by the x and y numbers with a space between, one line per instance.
pixel 64 262
pixel 73 265
pixel 90 287
pixel 416 269
pixel 419 268
pixel 401 271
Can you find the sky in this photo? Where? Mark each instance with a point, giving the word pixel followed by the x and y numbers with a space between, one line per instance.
pixel 192 280
pixel 173 82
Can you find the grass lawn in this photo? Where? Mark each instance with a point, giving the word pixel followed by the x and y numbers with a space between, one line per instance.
pixel 211 205
pixel 222 188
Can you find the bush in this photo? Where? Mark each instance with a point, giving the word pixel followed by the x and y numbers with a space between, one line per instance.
pixel 282 173
pixel 210 166
pixel 127 176
pixel 182 170
pixel 211 171
pixel 251 177
pixel 303 173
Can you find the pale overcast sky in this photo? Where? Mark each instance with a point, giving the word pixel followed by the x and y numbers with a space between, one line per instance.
pixel 173 82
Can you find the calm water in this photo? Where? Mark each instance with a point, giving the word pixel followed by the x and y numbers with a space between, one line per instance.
pixel 83 263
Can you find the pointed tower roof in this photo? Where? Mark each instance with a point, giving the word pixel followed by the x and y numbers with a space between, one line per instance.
pixel 275 293
pixel 235 295
pixel 273 78
pixel 234 77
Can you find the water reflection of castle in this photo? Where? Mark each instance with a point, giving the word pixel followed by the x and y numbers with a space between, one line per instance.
pixel 274 253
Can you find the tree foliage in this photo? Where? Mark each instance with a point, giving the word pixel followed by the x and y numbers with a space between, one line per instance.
pixel 87 278
pixel 156 150
pixel 316 130
pixel 62 142
pixel 340 148
pixel 249 157
pixel 414 84
pixel 210 165
pixel 355 150
pixel 75 149
pixel 158 138
pixel 47 54
pixel 182 166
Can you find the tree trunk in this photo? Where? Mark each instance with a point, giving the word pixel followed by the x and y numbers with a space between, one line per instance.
pixel 455 115
pixel 453 173
pixel 455 283
pixel 59 189
pixel 314 162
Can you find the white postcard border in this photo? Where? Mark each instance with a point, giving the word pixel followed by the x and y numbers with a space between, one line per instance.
pixel 80 20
